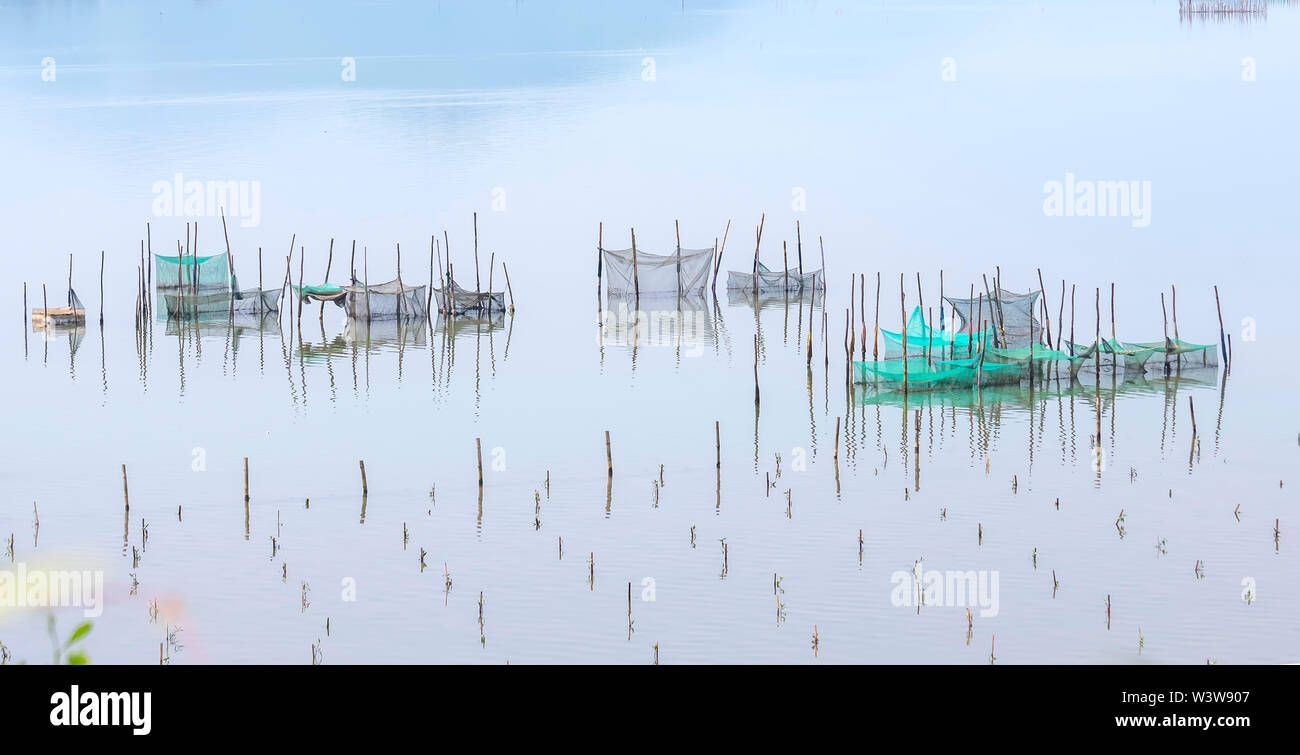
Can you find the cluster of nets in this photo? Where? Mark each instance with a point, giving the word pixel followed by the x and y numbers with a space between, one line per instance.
pixel 385 301
pixel 922 339
pixel 775 280
pixel 462 301
pixel 173 272
pixel 1010 317
pixel 683 272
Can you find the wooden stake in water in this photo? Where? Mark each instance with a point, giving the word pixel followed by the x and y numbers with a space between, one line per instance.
pixel 126 497
pixel 636 279
pixel 245 479
pixel 328 264
pixel 477 286
pixel 365 489
pixel 875 334
pixel 478 454
pixel 1223 344
pixel 902 309
pixel 609 457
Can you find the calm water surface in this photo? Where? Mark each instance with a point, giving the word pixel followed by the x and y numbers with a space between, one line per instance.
pixel 540 118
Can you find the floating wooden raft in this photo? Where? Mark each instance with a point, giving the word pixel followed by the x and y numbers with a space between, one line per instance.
pixel 41 316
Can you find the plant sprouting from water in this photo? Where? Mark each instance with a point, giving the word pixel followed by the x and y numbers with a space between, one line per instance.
pixel 67 651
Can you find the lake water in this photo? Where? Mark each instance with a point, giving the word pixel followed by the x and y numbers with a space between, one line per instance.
pixel 906 136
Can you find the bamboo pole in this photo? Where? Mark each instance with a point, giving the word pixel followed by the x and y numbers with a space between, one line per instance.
pixel 365 488
pixel 126 497
pixel 1071 319
pixel 717 445
pixel 849 340
pixel 717 262
pixel 328 264
pixel 755 370
pixel 302 263
pixel 1173 307
pixel 798 245
pixel 1097 336
pixel 974 324
pixel 477 288
pixel 677 229
pixel 492 264
pixel 478 454
pixel 245 479
pixel 509 290
pixel 609 457
pixel 823 252
pixel 875 335
pixel 600 260
pixel 902 311
pixel 758 242
pixel 1164 315
pixel 101 288
pixel 1047 321
pixel 1060 316
pixel 1222 338
pixel 636 280
pixel 401 290
pixel 862 311
pixel 785 267
pixel 1112 311
pixel 992 317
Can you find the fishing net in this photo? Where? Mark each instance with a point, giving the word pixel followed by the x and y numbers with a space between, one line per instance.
pixel 939 374
pixel 685 271
pixel 775 281
pixel 221 302
pixel 385 301
pixel 171 272
pixel 462 301
pixel 1185 353
pixel 922 339
pixel 1011 317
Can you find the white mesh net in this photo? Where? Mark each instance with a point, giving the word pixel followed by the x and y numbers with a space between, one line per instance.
pixel 679 272
pixel 385 301
pixel 770 281
pixel 462 301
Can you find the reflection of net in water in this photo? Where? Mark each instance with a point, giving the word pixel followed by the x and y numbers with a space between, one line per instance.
pixel 673 321
pixel 1222 11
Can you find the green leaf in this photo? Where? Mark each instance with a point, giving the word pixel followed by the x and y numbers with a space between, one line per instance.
pixel 78 658
pixel 81 631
